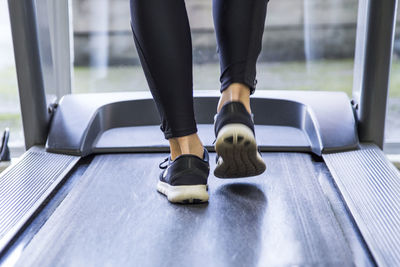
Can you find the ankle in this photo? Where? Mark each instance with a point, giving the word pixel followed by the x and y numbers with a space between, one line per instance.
pixel 235 92
pixel 174 148
pixel 189 144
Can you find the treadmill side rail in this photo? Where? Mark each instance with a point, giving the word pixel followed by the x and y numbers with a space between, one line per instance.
pixel 302 121
pixel 25 185
pixel 370 186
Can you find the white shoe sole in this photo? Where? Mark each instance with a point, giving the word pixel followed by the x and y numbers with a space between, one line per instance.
pixel 184 193
pixel 238 152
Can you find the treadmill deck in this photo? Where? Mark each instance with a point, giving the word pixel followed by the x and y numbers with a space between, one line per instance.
pixel 113 216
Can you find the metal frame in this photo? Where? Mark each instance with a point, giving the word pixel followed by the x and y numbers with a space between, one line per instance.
pixel 35 117
pixel 31 63
pixel 374 49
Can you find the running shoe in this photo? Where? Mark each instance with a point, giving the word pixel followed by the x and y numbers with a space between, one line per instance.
pixel 235 144
pixel 184 180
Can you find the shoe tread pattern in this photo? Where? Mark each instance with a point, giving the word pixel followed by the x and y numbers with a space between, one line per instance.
pixel 237 151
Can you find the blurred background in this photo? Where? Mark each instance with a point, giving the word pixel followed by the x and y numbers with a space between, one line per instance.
pixel 307 45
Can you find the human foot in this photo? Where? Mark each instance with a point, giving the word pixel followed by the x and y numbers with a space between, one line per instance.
pixel 184 180
pixel 236 147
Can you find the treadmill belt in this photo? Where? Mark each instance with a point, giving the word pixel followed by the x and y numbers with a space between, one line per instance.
pixel 113 216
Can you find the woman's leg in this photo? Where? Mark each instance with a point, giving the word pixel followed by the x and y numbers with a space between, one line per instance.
pixel 162 37
pixel 239 27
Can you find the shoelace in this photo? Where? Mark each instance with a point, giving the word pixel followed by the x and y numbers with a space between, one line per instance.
pixel 161 166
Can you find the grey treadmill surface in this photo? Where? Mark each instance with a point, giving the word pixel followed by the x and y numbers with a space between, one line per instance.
pixel 113 216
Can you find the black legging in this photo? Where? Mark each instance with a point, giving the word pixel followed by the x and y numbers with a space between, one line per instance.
pixel 162 36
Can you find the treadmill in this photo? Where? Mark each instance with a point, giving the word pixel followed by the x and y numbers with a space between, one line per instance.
pixel 84 192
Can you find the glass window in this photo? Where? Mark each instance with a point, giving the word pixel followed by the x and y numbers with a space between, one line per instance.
pixel 9 102
pixel 307 45
pixel 392 131
pixel 105 58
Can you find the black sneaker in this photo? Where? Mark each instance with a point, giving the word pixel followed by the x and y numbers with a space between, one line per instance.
pixel 184 180
pixel 235 144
